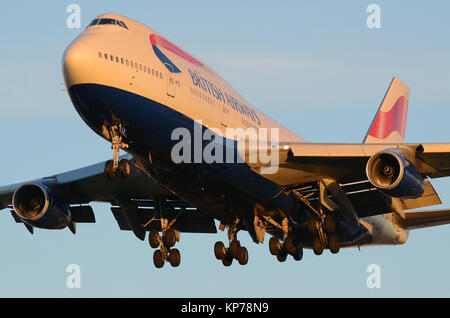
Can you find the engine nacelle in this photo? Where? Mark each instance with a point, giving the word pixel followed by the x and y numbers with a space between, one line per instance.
pixel 395 175
pixel 37 205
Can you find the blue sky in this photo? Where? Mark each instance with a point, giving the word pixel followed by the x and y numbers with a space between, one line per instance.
pixel 312 65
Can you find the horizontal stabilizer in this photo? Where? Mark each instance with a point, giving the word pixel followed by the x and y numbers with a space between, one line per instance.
pixel 423 219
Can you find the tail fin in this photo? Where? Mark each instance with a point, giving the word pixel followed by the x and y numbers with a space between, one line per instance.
pixel 389 123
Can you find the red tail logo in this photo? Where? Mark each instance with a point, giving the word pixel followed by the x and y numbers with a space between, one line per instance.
pixel 390 121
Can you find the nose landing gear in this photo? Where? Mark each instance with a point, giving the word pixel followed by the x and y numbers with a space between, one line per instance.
pixel 115 167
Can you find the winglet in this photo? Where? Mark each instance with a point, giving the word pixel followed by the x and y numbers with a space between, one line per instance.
pixel 389 123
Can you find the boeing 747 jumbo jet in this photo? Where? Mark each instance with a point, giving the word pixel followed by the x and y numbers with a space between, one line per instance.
pixel 197 153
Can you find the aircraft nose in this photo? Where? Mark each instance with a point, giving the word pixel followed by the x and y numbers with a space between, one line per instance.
pixel 78 61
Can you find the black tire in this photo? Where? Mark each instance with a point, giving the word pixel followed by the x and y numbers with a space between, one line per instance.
pixel 298 254
pixel 109 169
pixel 274 245
pixel 317 246
pixel 243 256
pixel 174 257
pixel 234 249
pixel 227 261
pixel 170 238
pixel 312 225
pixel 290 245
pixel 329 224
pixel 333 244
pixel 124 168
pixel 281 257
pixel 158 259
pixel 220 250
pixel 154 239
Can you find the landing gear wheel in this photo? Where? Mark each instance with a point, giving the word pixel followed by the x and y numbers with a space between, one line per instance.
pixel 243 256
pixel 329 224
pixel 219 250
pixel 282 256
pixel 334 244
pixel 227 260
pixel 154 239
pixel 124 168
pixel 109 169
pixel 158 259
pixel 274 246
pixel 234 249
pixel 174 257
pixel 317 246
pixel 170 238
pixel 290 246
pixel 312 228
pixel 298 255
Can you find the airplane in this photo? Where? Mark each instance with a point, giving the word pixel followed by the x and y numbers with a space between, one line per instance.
pixel 144 95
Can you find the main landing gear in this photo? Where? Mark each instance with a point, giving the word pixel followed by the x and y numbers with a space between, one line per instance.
pixel 288 247
pixel 234 251
pixel 165 241
pixel 115 167
pixel 323 231
pixel 322 226
pixel 165 251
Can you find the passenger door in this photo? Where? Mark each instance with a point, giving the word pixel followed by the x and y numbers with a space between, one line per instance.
pixel 170 82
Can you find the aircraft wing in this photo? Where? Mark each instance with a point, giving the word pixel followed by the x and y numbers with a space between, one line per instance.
pixel 312 162
pixel 306 164
pixel 132 199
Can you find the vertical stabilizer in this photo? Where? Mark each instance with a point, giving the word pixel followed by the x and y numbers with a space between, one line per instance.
pixel 389 123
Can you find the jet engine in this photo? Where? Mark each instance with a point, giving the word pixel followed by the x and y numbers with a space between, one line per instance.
pixel 37 205
pixel 395 175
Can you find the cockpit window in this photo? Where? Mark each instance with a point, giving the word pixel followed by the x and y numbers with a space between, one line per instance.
pixel 107 21
pixel 94 22
pixel 122 24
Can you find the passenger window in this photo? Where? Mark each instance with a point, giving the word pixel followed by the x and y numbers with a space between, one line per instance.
pixel 106 56
pixel 124 25
pixel 127 62
pixel 131 64
pixel 117 59
pixel 112 58
pixel 100 54
pixel 145 69
pixel 121 60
